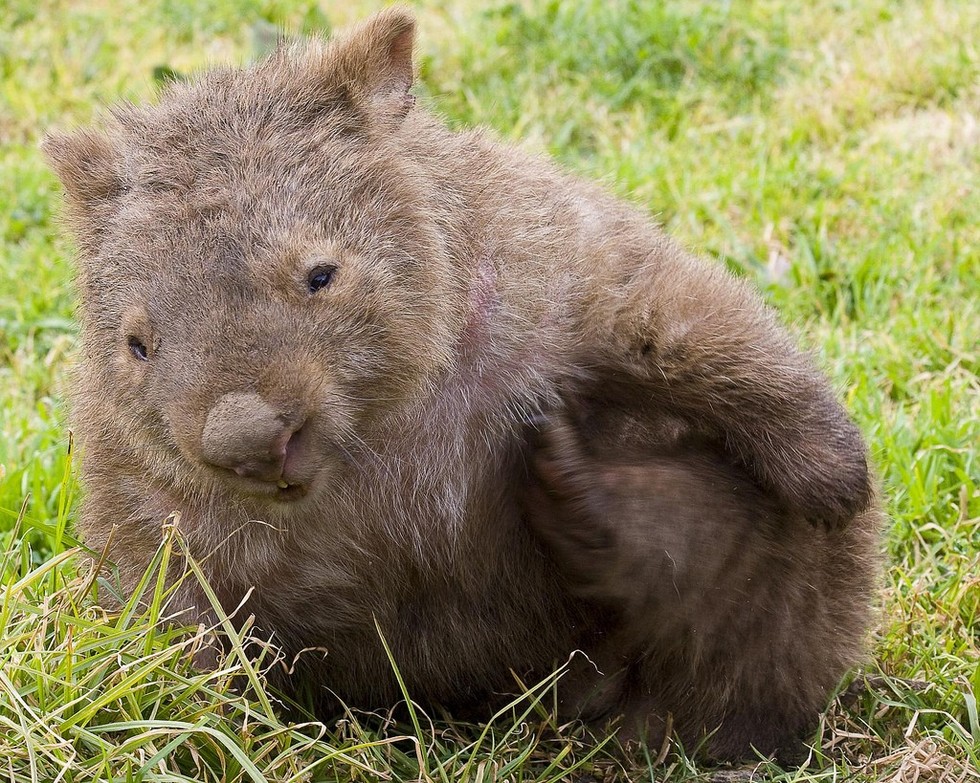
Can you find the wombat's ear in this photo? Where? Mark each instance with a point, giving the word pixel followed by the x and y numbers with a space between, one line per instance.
pixel 87 165
pixel 377 58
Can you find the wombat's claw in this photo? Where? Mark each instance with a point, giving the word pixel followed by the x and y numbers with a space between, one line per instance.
pixel 537 426
pixel 558 458
pixel 832 487
pixel 838 513
pixel 563 502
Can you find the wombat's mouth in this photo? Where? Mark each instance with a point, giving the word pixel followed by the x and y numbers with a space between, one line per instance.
pixel 289 492
pixel 280 491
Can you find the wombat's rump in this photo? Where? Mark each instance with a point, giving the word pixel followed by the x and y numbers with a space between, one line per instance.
pixel 319 325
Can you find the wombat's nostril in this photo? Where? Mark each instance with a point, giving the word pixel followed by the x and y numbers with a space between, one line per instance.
pixel 244 434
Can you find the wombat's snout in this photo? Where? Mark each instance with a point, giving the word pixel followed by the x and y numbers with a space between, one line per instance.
pixel 245 434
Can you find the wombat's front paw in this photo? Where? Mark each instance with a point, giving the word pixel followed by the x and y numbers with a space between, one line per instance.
pixel 564 504
pixel 829 482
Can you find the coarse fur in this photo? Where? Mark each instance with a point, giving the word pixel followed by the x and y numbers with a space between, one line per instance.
pixel 321 327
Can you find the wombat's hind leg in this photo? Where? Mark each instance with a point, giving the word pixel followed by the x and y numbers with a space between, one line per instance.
pixel 738 620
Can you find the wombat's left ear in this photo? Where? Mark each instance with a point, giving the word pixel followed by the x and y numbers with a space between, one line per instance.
pixel 377 57
pixel 87 165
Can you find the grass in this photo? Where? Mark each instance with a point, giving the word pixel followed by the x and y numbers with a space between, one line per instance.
pixel 828 151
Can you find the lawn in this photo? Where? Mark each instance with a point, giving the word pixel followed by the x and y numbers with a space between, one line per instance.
pixel 827 151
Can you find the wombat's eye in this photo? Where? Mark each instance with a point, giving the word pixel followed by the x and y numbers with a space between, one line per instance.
pixel 320 277
pixel 137 348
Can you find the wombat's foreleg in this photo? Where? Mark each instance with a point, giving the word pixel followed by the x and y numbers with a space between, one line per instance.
pixel 667 331
pixel 739 619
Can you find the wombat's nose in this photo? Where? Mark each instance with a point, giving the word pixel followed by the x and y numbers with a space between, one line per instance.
pixel 245 434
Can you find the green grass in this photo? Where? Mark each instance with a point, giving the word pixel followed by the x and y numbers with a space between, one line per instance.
pixel 829 151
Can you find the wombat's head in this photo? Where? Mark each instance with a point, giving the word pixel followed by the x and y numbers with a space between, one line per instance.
pixel 262 273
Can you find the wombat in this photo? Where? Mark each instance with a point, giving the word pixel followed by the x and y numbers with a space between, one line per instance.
pixel 395 377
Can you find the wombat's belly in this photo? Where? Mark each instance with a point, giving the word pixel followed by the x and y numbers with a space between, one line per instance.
pixel 463 604
pixel 455 640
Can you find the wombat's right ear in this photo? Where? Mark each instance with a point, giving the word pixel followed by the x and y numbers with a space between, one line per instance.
pixel 87 165
pixel 377 58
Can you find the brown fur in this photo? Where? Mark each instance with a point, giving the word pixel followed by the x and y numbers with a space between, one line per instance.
pixel 695 522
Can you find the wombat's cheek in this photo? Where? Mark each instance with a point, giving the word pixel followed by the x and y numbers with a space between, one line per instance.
pixel 127 378
pixel 126 382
